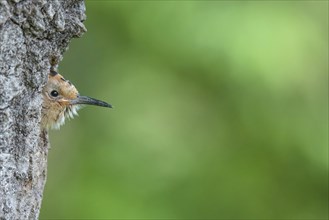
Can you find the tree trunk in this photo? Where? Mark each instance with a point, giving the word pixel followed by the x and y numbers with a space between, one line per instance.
pixel 33 33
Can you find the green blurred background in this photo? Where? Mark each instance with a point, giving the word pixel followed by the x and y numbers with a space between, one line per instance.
pixel 221 111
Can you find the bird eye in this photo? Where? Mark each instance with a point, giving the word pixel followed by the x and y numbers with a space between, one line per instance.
pixel 54 93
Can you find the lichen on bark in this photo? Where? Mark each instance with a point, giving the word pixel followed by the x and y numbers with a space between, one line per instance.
pixel 32 34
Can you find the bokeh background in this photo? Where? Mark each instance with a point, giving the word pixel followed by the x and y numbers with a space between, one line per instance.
pixel 221 111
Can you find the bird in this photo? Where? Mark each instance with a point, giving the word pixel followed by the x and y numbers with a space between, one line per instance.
pixel 62 100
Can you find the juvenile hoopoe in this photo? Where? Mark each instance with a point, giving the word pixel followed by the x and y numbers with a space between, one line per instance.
pixel 61 100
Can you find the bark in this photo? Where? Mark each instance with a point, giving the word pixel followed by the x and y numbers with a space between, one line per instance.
pixel 33 33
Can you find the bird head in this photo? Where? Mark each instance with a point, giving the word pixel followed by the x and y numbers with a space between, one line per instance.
pixel 61 100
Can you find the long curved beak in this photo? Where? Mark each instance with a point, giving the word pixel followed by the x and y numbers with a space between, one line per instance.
pixel 89 101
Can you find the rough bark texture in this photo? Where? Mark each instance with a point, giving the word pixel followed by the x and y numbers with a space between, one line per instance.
pixel 32 33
